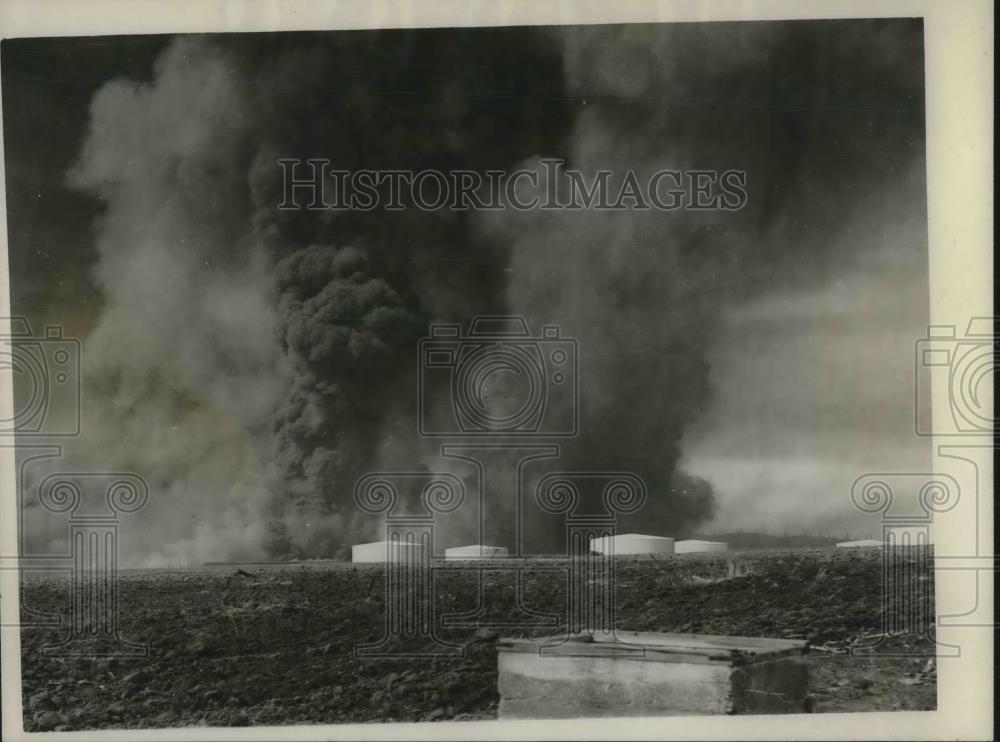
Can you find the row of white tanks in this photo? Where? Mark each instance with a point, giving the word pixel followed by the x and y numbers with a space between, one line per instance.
pixel 621 545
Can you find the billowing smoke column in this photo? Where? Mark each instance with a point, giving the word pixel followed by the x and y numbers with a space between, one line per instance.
pixel 342 327
pixel 182 371
pixel 803 110
pixel 252 362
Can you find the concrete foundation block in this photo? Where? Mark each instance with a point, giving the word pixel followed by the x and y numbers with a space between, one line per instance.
pixel 649 674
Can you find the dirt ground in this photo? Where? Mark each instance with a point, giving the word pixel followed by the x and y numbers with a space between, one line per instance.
pixel 238 645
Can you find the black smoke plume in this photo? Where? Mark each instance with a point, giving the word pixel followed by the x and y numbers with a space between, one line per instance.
pixel 253 363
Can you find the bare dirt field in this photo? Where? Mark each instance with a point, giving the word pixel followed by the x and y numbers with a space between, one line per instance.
pixel 234 645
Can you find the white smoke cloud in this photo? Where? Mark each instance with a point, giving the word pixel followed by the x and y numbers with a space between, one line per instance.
pixel 183 368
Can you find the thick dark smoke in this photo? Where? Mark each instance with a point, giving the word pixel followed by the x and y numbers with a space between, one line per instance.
pixel 806 110
pixel 253 363
pixel 342 327
pixel 355 292
pixel 277 349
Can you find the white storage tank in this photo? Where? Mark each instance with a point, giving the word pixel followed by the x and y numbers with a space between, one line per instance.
pixel 476 551
pixel 632 543
pixel 692 545
pixel 387 551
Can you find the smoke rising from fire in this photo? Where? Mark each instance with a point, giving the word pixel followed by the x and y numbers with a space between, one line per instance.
pixel 643 290
pixel 253 363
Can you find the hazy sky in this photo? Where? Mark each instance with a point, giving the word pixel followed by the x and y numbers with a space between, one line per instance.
pixel 814 386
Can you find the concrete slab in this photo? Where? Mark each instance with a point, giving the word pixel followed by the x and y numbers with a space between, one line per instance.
pixel 650 674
